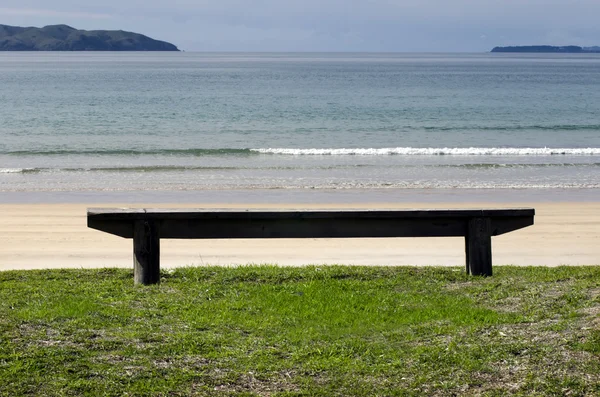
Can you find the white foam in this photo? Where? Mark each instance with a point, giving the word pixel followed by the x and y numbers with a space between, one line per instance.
pixel 12 170
pixel 410 151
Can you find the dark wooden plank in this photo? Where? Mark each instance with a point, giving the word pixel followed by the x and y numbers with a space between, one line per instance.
pixel 501 225
pixel 310 228
pixel 146 253
pixel 479 247
pixel 118 227
pixel 305 224
pixel 211 213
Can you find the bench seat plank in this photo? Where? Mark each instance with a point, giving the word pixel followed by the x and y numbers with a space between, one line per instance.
pixel 217 223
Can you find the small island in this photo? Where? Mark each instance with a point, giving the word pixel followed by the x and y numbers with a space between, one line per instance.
pixel 66 38
pixel 570 49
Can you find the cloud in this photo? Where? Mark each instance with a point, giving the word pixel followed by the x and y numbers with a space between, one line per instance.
pixel 37 12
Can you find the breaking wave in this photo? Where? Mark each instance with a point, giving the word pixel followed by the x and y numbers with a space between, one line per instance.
pixel 410 151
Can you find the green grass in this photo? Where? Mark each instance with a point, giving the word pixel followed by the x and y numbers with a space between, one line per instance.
pixel 330 330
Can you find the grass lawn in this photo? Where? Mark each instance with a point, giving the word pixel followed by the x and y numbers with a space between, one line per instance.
pixel 329 330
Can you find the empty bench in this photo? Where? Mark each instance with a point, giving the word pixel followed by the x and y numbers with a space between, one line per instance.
pixel 147 226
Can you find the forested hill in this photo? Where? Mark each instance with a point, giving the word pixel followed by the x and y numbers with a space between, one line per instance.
pixel 66 38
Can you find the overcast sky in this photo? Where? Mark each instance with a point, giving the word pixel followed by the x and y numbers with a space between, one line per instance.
pixel 326 25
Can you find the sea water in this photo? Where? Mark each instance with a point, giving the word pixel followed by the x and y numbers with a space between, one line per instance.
pixel 298 127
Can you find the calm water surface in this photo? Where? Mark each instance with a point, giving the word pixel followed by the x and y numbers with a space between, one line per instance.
pixel 193 126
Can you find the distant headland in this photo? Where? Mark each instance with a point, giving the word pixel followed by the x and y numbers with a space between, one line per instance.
pixel 66 38
pixel 571 49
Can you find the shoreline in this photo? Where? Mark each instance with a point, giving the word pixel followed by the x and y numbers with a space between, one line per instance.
pixel 38 236
pixel 294 196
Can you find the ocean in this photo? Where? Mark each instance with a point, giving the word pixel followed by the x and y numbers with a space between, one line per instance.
pixel 299 127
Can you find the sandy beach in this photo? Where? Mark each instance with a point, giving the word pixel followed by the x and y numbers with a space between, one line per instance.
pixel 37 236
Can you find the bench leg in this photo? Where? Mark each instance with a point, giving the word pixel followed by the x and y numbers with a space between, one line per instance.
pixel 467 260
pixel 478 247
pixel 146 253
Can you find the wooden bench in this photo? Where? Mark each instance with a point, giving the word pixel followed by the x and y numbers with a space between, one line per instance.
pixel 148 226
